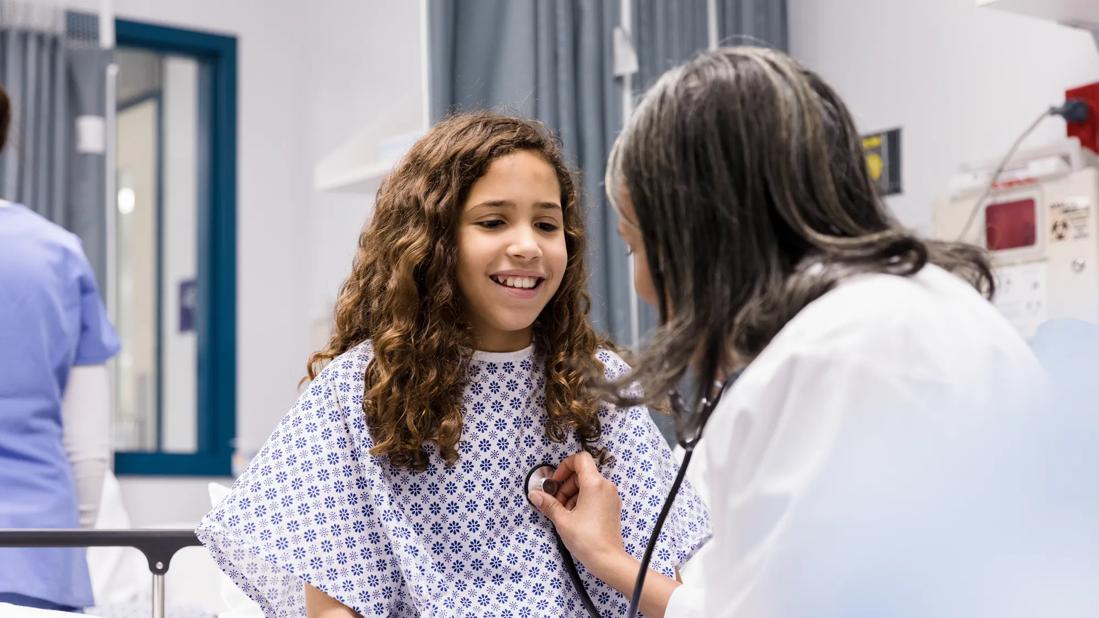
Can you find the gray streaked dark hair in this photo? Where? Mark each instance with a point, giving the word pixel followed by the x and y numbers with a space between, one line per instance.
pixel 753 199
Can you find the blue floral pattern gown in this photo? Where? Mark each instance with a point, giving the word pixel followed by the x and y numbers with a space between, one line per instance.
pixel 315 507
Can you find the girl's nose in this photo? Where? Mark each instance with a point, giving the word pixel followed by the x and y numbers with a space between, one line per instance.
pixel 524 246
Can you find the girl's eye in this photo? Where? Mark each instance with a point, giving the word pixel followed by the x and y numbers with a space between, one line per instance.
pixel 491 224
pixel 545 226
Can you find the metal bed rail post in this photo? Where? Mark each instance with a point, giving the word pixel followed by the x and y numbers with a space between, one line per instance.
pixel 158 595
pixel 158 547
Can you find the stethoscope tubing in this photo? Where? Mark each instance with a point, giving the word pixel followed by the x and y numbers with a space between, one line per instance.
pixel 646 558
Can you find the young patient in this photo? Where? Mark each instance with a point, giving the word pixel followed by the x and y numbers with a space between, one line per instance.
pixel 461 358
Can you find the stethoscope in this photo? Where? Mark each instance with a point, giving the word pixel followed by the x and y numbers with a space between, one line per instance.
pixel 540 478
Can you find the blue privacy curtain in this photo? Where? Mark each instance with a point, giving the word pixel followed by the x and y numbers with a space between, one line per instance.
pixel 550 60
pixel 553 60
pixel 54 73
pixel 669 32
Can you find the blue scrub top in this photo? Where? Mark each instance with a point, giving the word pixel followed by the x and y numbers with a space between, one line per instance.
pixel 51 318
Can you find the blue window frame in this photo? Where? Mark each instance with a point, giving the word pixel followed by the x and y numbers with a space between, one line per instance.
pixel 215 312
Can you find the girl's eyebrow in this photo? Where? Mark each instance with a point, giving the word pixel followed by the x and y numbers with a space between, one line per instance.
pixel 509 204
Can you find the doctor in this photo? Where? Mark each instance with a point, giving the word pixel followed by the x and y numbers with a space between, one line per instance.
pixel 881 390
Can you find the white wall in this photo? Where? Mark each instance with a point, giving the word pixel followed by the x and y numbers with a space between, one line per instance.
pixel 366 79
pixel 309 74
pixel 962 82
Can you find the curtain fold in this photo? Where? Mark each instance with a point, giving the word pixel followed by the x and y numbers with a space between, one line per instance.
pixel 666 34
pixel 753 22
pixel 86 175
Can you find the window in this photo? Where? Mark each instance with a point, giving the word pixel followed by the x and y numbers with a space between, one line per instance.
pixel 173 287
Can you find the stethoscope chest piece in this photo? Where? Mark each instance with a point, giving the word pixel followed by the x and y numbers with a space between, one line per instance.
pixel 540 479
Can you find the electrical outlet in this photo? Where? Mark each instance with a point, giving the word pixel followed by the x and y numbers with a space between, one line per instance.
pixel 1088 131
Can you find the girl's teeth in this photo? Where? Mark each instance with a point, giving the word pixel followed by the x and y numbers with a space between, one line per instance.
pixel 523 283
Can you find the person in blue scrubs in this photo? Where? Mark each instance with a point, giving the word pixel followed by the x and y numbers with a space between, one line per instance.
pixel 52 320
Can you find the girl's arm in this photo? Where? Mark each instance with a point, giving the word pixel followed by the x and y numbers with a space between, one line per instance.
pixel 592 532
pixel 320 605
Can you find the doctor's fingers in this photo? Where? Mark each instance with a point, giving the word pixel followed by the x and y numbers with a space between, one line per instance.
pixel 579 464
pixel 586 480
pixel 568 489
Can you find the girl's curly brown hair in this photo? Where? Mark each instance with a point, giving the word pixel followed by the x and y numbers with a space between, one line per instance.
pixel 403 296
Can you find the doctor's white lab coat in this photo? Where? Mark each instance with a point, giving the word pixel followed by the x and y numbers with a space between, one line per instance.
pixel 867 463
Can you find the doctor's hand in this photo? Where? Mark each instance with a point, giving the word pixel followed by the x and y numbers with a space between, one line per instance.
pixel 586 512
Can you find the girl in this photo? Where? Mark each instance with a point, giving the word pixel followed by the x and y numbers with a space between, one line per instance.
pixel 461 358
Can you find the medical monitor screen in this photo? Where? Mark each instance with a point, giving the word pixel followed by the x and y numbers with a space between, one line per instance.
pixel 1011 225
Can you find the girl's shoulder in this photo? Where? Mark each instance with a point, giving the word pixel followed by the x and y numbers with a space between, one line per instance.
pixel 351 363
pixel 614 366
pixel 358 355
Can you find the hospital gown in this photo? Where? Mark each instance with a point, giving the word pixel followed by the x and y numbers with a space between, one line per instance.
pixel 314 506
